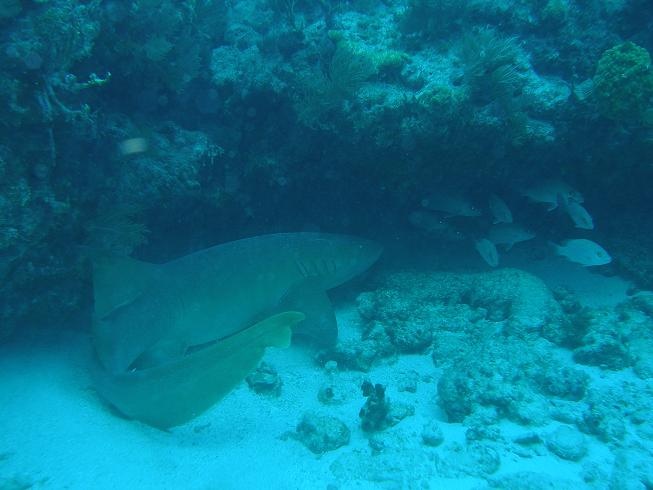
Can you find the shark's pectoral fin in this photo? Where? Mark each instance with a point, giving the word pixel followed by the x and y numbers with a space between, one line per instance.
pixel 320 327
pixel 173 393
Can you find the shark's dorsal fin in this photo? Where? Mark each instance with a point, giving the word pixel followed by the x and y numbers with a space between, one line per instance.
pixel 118 281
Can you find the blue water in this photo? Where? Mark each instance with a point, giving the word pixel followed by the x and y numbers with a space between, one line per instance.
pixel 500 152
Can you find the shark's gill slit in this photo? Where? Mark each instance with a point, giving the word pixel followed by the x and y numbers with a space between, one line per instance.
pixel 302 268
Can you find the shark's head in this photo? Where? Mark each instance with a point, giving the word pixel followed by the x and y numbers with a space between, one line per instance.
pixel 334 259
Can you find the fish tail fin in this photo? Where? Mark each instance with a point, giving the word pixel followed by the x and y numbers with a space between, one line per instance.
pixel 554 246
pixel 562 201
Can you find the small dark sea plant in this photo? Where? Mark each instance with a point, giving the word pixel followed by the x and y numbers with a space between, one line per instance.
pixel 326 90
pixel 490 64
pixel 116 231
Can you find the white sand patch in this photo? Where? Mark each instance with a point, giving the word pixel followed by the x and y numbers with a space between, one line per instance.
pixel 55 429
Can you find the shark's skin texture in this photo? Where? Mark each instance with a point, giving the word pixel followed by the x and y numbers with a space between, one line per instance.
pixel 148 314
pixel 176 392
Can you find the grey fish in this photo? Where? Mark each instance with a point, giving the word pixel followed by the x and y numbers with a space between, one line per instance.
pixel 149 314
pixel 435 224
pixel 583 251
pixel 451 204
pixel 488 251
pixel 427 221
pixel 550 191
pixel 578 214
pixel 500 211
pixel 508 234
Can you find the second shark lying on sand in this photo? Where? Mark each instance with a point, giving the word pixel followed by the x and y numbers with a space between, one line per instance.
pixel 154 321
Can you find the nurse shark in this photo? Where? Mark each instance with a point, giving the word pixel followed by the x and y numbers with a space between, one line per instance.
pixel 152 320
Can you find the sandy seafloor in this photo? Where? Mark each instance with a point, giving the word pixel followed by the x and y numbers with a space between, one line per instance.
pixel 56 433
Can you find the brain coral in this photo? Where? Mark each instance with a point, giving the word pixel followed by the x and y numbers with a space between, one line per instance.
pixel 623 83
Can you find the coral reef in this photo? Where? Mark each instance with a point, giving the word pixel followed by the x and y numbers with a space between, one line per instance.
pixel 508 301
pixel 379 413
pixel 477 459
pixel 153 129
pixel 321 433
pixel 492 335
pixel 567 443
pixel 623 83
pixel 265 380
pixel 244 106
pixel 432 434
